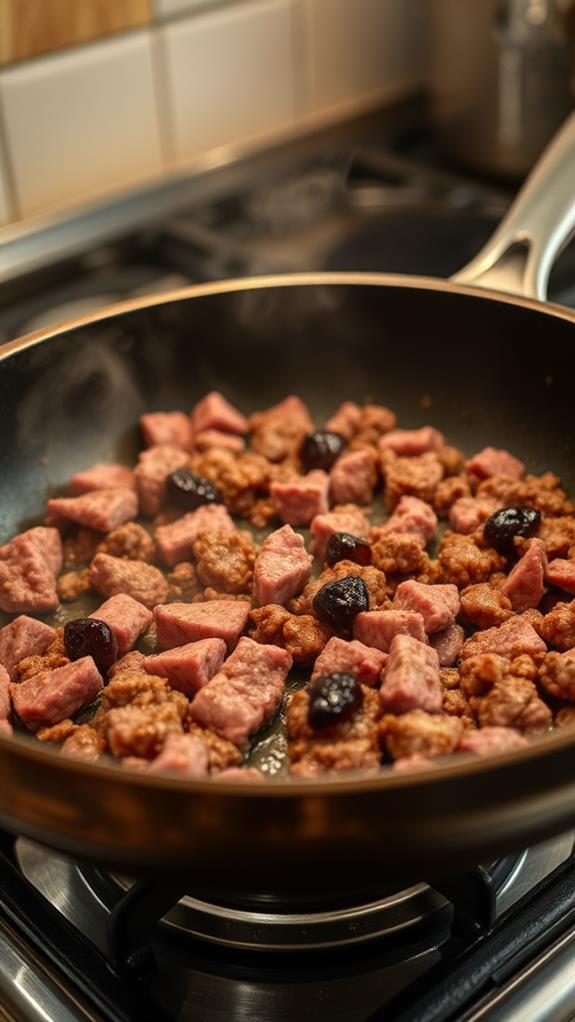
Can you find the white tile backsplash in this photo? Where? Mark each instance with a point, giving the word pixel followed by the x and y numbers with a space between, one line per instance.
pixel 357 48
pixel 229 75
pixel 81 121
pixel 5 210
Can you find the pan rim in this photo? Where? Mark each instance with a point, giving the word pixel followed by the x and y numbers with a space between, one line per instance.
pixel 326 277
pixel 443 772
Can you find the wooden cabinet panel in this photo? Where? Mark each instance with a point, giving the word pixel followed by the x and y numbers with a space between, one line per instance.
pixel 29 27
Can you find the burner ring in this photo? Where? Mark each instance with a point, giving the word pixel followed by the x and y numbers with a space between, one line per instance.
pixel 397 915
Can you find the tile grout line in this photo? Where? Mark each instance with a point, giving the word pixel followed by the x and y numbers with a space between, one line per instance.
pixel 162 97
pixel 7 163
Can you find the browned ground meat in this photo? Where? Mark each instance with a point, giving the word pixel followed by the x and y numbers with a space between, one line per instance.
pixel 513 702
pixel 137 712
pixel 54 657
pixel 455 704
pixel 557 675
pixel 373 578
pixel 430 734
pixel 565 717
pixel 374 422
pixel 129 688
pixel 398 553
pixel 81 547
pixel 130 540
pixel 502 692
pixel 452 460
pixel 416 477
pixel 269 622
pixel 183 583
pixel 139 730
pixel 143 582
pixel 225 561
pixel 352 744
pixel 557 628
pixel 542 492
pixel 221 753
pixel 84 743
pixel 242 479
pixel 464 562
pixel 216 594
pixel 57 733
pixel 302 635
pixel 448 491
pixel 558 534
pixel 484 606
pixel 73 585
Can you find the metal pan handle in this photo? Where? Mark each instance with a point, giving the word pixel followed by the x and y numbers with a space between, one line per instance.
pixel 518 257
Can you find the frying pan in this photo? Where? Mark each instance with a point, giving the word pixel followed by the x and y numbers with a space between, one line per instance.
pixel 498 369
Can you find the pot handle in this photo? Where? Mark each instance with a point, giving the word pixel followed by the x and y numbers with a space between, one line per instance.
pixel 518 257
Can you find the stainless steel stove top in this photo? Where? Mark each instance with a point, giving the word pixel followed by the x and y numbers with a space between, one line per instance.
pixel 214 963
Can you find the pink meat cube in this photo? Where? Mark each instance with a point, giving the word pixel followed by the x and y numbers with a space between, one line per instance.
pixel 154 466
pixel 410 442
pixel 414 517
pixel 348 518
pixel 103 477
pixel 102 510
pixel 5 703
pixel 511 639
pixel 379 627
pixel 494 462
pixel 175 541
pixel 180 623
pixel 282 567
pixel 411 678
pixel 467 513
pixel 437 604
pixel 50 696
pixel 560 573
pixel 364 662
pixel 184 753
pixel 487 741
pixel 29 564
pixel 173 428
pixel 214 412
pixel 188 667
pixel 24 636
pixel 127 618
pixel 239 775
pixel 346 420
pixel 216 438
pixel 524 585
pixel 448 644
pixel 353 478
pixel 245 693
pixel 301 498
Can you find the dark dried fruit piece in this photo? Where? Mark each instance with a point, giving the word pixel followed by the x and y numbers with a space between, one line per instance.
pixel 339 601
pixel 333 698
pixel 87 636
pixel 503 526
pixel 320 450
pixel 186 490
pixel 342 546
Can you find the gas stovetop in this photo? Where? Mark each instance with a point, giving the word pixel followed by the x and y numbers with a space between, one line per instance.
pixel 496 943
pixel 77 943
pixel 386 205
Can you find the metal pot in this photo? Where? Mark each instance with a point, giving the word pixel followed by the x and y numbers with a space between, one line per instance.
pixel 501 79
